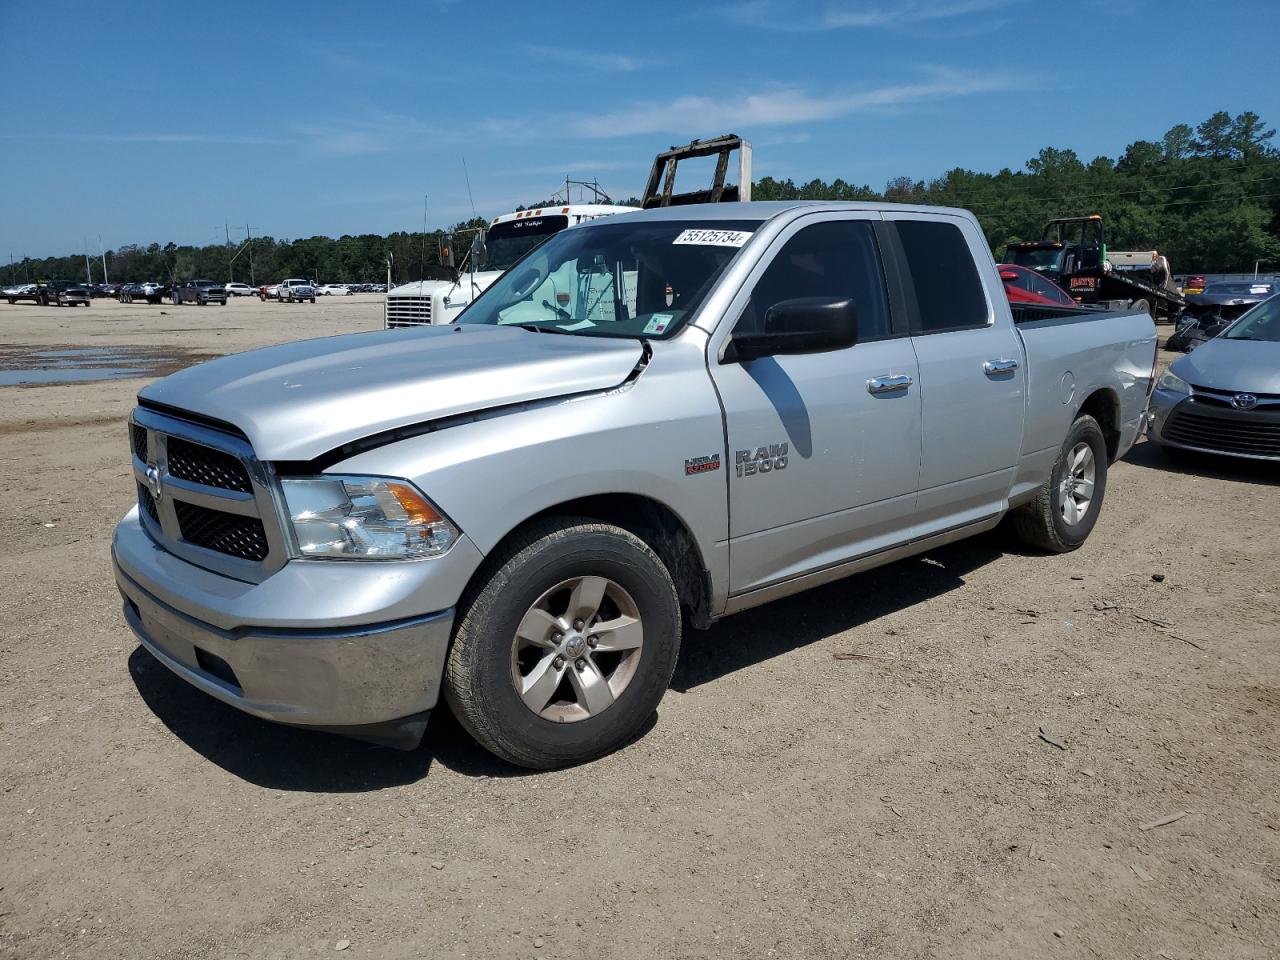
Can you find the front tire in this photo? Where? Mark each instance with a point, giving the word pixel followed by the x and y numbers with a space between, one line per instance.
pixel 1066 506
pixel 565 649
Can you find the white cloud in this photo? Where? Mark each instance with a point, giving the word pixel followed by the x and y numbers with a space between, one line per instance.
pixel 151 137
pixel 798 18
pixel 591 59
pixel 784 107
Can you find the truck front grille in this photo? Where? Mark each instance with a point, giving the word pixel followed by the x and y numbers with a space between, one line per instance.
pixel 408 311
pixel 227 533
pixel 138 436
pixel 148 503
pixel 201 464
pixel 205 497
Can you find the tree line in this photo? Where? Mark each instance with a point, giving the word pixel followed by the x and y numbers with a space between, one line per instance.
pixel 1206 197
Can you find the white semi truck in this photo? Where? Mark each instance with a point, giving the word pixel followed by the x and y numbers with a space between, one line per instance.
pixel 506 239
pixel 509 237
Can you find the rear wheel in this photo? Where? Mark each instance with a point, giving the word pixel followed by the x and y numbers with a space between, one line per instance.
pixel 1066 506
pixel 564 652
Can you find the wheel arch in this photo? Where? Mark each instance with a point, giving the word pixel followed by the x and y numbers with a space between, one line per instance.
pixel 1104 406
pixel 652 521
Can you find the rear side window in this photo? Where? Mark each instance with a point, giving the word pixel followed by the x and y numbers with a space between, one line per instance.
pixel 943 275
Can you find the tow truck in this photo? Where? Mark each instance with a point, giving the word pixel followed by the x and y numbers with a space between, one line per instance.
pixel 1072 252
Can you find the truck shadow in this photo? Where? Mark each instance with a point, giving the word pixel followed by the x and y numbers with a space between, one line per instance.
pixel 784 625
pixel 268 754
pixel 1149 456
pixel 287 758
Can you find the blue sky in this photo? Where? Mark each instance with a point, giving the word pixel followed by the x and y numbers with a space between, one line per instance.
pixel 147 122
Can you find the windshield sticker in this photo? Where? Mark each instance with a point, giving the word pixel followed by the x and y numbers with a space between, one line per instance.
pixel 658 323
pixel 714 238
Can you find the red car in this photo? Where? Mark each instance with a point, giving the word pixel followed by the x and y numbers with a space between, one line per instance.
pixel 1026 286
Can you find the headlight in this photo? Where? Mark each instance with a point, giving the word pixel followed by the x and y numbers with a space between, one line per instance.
pixel 1173 383
pixel 365 518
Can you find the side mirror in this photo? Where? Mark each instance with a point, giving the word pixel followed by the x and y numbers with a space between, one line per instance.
pixel 479 252
pixel 803 325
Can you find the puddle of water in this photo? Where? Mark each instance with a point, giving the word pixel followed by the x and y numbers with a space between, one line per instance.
pixel 33 367
pixel 16 378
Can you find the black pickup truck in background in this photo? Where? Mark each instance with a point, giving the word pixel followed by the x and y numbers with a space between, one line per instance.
pixel 63 293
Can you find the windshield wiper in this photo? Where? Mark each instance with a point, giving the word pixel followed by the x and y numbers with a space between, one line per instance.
pixel 535 328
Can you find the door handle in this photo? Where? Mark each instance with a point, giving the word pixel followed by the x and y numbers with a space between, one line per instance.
pixel 888 384
pixel 993 368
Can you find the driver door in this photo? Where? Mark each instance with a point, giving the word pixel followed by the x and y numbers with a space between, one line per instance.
pixel 823 448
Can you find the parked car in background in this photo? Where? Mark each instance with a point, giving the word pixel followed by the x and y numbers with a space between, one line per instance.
pixel 295 291
pixel 202 292
pixel 1207 314
pixel 65 293
pixel 1026 286
pixel 239 290
pixel 680 413
pixel 22 291
pixel 1194 284
pixel 269 291
pixel 333 290
pixel 1225 397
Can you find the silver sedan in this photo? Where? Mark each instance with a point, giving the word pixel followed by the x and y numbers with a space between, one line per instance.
pixel 1225 397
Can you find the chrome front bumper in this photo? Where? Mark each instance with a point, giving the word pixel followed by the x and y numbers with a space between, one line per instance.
pixel 299 648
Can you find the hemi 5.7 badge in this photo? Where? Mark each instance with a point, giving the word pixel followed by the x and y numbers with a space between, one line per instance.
pixel 702 465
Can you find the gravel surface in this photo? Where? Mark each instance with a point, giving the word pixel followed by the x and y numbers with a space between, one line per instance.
pixel 788 800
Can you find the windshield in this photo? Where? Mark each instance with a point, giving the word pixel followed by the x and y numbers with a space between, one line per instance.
pixel 1260 323
pixel 508 242
pixel 1035 258
pixel 611 279
pixel 1238 289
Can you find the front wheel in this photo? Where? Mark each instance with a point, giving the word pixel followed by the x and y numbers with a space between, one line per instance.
pixel 1066 506
pixel 313 299
pixel 564 652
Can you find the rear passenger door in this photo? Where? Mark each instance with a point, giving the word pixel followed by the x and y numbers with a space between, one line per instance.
pixel 971 380
pixel 824 448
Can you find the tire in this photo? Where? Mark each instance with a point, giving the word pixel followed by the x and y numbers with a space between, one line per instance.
pixel 1047 521
pixel 313 299
pixel 534 580
pixel 12 301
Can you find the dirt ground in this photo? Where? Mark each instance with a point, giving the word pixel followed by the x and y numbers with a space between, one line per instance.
pixel 785 803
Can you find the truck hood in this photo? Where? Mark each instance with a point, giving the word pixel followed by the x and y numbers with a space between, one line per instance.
pixel 1251 366
pixel 300 400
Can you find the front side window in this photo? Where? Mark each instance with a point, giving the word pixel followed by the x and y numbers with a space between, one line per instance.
pixel 948 291
pixel 614 278
pixel 834 260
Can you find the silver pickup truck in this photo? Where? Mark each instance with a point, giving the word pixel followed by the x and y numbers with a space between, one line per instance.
pixel 654 419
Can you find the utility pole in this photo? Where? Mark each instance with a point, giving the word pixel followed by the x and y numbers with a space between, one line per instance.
pixel 422 269
pixel 87 272
pixel 390 258
pixel 231 273
pixel 248 240
pixel 102 250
